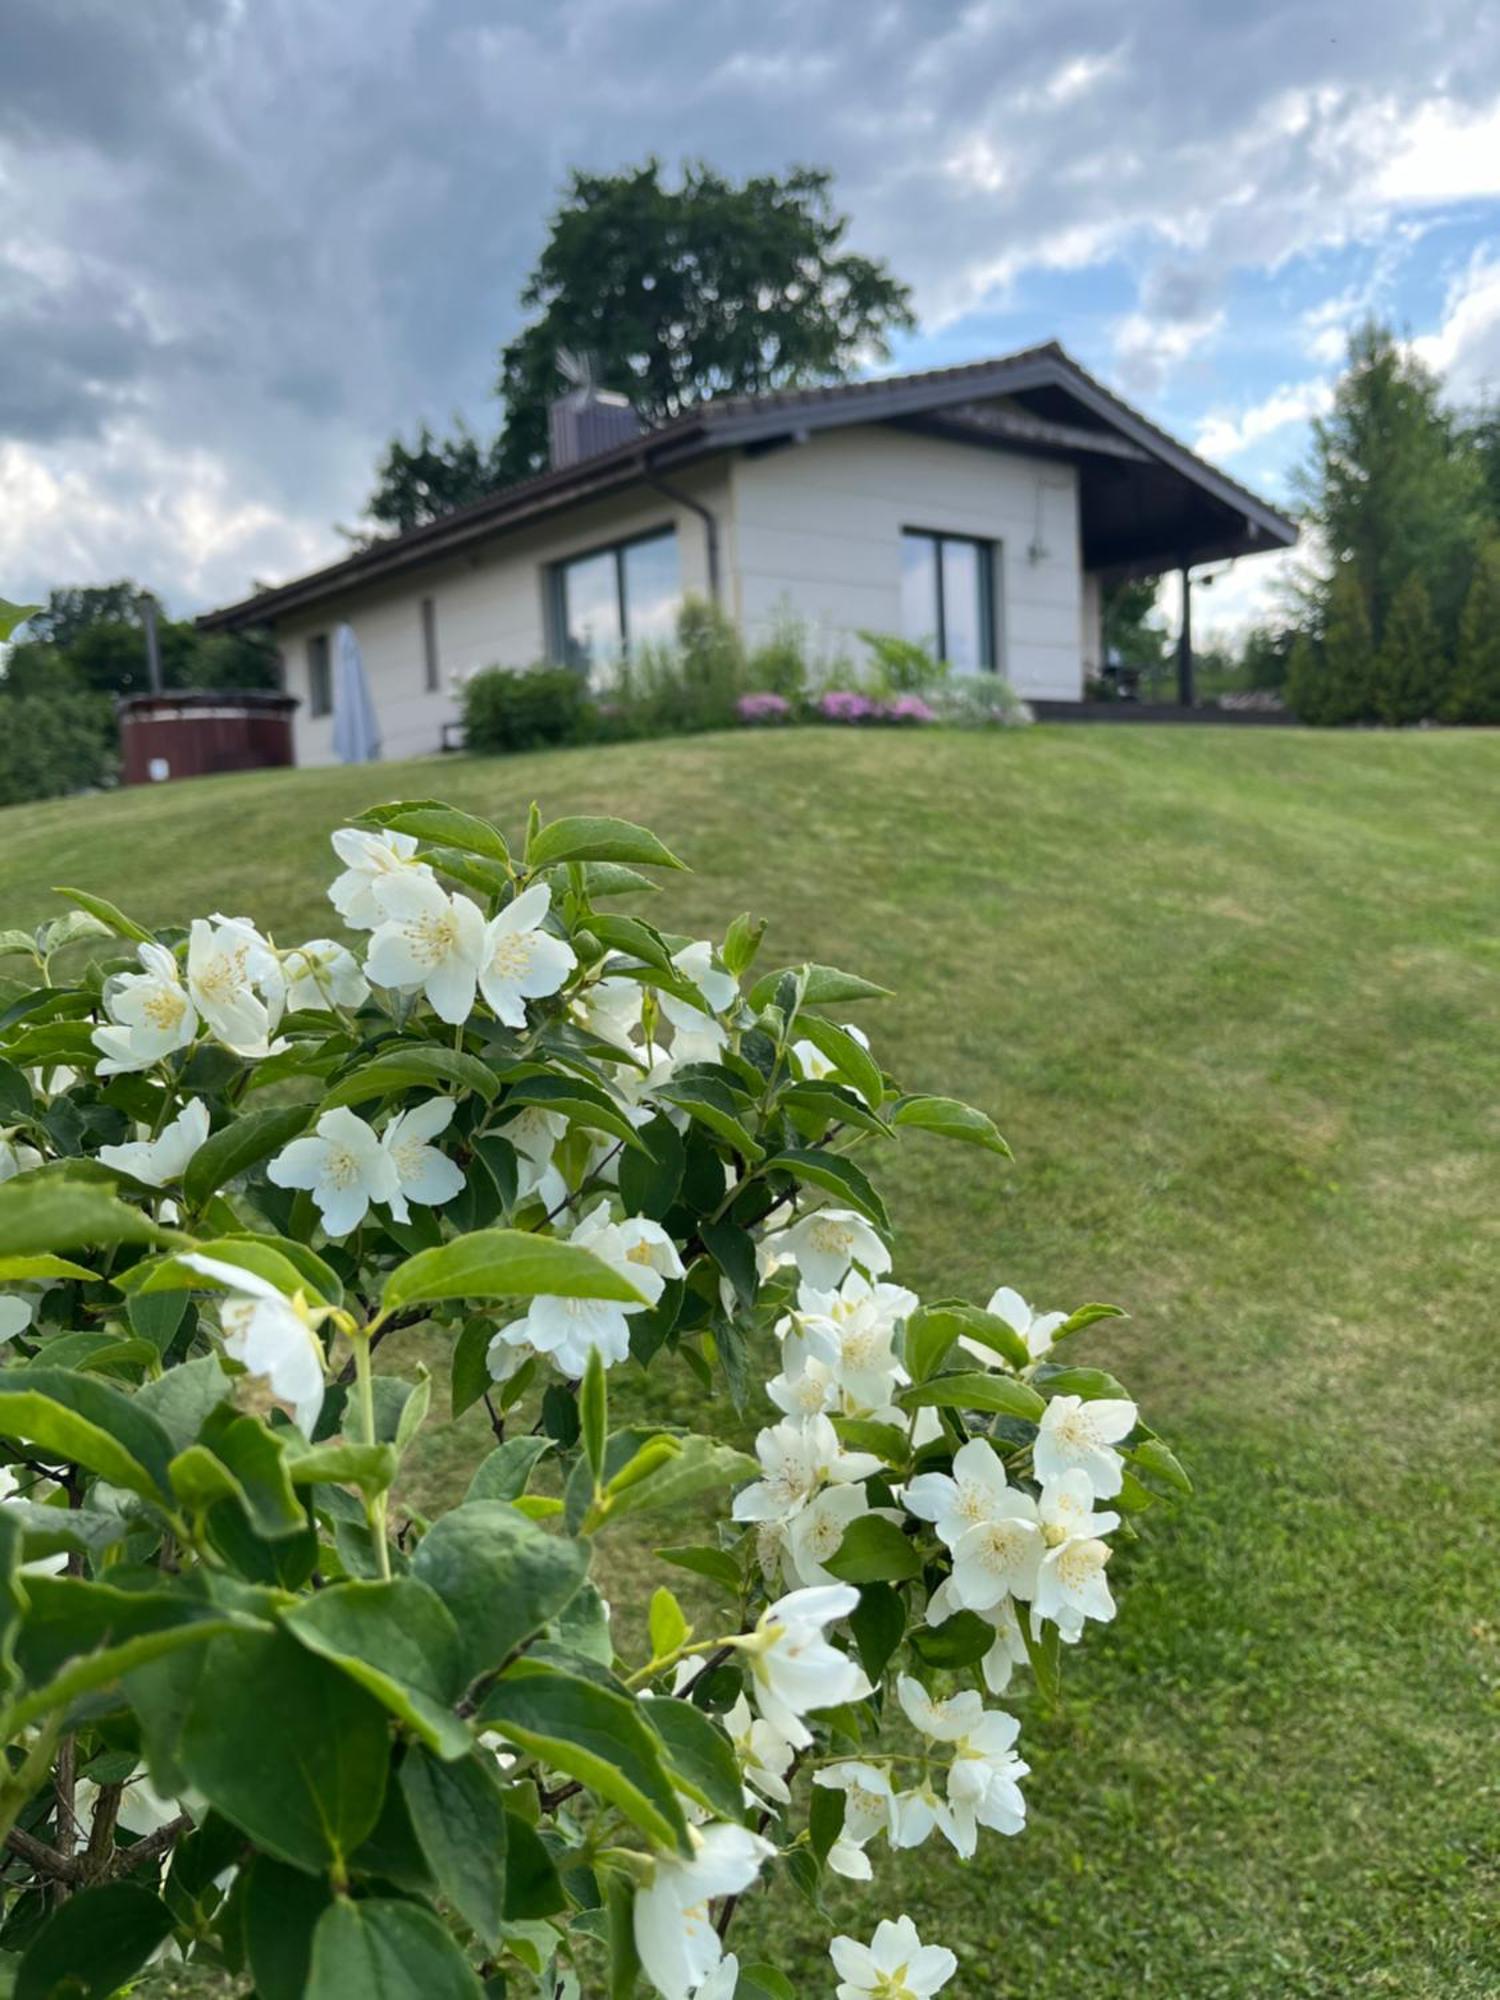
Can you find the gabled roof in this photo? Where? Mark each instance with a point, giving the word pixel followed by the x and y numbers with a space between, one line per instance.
pixel 1173 506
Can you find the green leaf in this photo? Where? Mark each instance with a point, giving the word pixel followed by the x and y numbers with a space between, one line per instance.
pixel 24 1270
pixel 718 1565
pixel 829 1103
pixel 17 944
pixel 311 1790
pixel 13 616
pixel 1152 1456
pixel 932 1329
pixel 582 1103
pixel 1089 1383
pixel 874 1551
pixel 950 1120
pixel 850 1058
pixel 114 919
pixel 666 1623
pixel 249 1253
pixel 698 1465
pixel 823 986
pixel 506 1473
pixel 469 1374
pixel 629 934
pixel 593 1411
pixel 708 1103
pixel 1086 1316
pixel 431 819
pixel 1044 1651
pixel 532 1886
pixel 184 1398
pixel 651 1175
pixel 13 1600
pixel 93 1944
pixel 397 1639
pixel 410 1066
pixel 733 1250
pixel 836 1176
pixel 282 1908
pixel 503 1264
pixel 699 1755
pixel 878 1624
pixel 238 1146
pixel 84 1420
pixel 501 1576
pixel 256 1456
pixel 387 1950
pixel 960 1641
pixel 595 839
pixel 340 1462
pixel 593 1734
pixel 763 1982
pixel 973 1391
pixel 458 1815
pixel 42 1212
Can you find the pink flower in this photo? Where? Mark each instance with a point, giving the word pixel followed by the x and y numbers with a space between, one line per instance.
pixel 756 708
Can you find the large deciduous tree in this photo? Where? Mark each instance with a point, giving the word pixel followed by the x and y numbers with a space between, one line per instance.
pixel 709 287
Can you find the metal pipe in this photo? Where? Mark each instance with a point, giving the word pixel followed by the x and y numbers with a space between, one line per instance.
pixel 1185 643
pixel 705 514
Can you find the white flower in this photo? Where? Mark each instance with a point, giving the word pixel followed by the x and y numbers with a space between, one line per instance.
pixel 895 1965
pixel 521 960
pixel 344 1166
pixel 1071 1584
pixel 796 1459
pixel 1009 1649
pixel 271 1335
pixel 150 1014
pixel 942 1721
pixel 764 1754
pixel 16 1157
pixel 674 1934
pixel 999 1556
pixel 825 1243
pixel 15 1315
pixel 569 1330
pixel 983 1779
pixel 1036 1329
pixel 699 1037
pixel 811 1392
pixel 867 1811
pixel 323 974
pixel 423 1174
pixel 975 1492
pixel 534 1132
pixel 427 941
pixel 369 858
pixel 817 1530
pixel 793 1667
pixel 1074 1433
pixel 160 1161
pixel 721 1983
pixel 236 983
pixel 853 1331
pixel 611 1009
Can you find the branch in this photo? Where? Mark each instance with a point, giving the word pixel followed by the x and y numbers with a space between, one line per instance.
pixel 152 1846
pixel 44 1859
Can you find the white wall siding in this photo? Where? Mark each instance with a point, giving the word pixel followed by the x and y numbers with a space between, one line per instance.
pixel 817 529
pixel 490 610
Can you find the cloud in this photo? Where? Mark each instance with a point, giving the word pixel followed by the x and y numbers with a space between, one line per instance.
pixel 1465 348
pixel 244 243
pixel 1226 436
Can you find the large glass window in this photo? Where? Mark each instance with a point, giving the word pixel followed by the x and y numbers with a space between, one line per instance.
pixel 947 597
pixel 319 677
pixel 612 599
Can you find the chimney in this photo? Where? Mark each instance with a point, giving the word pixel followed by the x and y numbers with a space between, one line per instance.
pixel 587 420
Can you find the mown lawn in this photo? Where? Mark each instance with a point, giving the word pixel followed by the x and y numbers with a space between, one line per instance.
pixel 1234 997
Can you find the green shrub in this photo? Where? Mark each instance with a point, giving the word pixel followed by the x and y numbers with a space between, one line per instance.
pixel 55 743
pixel 522 708
pixel 902 666
pixel 688 683
pixel 1410 671
pixel 1474 695
pixel 780 663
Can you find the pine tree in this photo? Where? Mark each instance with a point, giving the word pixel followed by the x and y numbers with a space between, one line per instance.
pixel 1409 665
pixel 1474 695
pixel 1348 652
pixel 1306 682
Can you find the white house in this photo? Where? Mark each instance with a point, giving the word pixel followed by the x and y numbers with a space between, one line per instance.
pixel 980 509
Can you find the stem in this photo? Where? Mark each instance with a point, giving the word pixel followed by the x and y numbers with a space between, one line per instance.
pixel 375 1510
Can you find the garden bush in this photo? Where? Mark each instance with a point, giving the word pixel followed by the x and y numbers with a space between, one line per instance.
pixel 262 1712
pixel 902 666
pixel 55 743
pixel 524 708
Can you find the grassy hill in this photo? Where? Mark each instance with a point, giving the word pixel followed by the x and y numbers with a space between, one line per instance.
pixel 1234 998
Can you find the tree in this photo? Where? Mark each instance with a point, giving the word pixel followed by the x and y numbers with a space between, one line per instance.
pixel 417 483
pixel 1474 694
pixel 1410 671
pixel 1390 486
pixel 1265 658
pixel 72 610
pixel 1333 683
pixel 1131 633
pixel 92 637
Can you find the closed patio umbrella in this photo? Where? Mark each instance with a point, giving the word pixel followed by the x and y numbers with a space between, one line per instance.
pixel 356 728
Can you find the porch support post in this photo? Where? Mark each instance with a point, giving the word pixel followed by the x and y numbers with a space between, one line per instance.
pixel 1185 642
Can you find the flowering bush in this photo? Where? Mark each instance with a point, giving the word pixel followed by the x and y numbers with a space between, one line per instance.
pixel 849 705
pixel 259 1709
pixel 760 708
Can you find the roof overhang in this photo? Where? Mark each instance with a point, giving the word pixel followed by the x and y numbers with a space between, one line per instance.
pixel 1147 503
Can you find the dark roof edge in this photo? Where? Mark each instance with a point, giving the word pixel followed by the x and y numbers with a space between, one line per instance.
pixel 744 420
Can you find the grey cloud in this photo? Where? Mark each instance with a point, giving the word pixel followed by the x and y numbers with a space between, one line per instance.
pixel 303 225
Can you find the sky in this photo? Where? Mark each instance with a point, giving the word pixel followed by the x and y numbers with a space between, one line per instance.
pixel 242 242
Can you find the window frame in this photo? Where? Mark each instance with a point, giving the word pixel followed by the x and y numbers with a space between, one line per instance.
pixel 557 586
pixel 318 651
pixel 984 548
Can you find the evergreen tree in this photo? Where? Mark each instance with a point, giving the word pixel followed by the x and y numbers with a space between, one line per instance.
pixel 1348 653
pixel 1409 667
pixel 1474 695
pixel 1305 685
